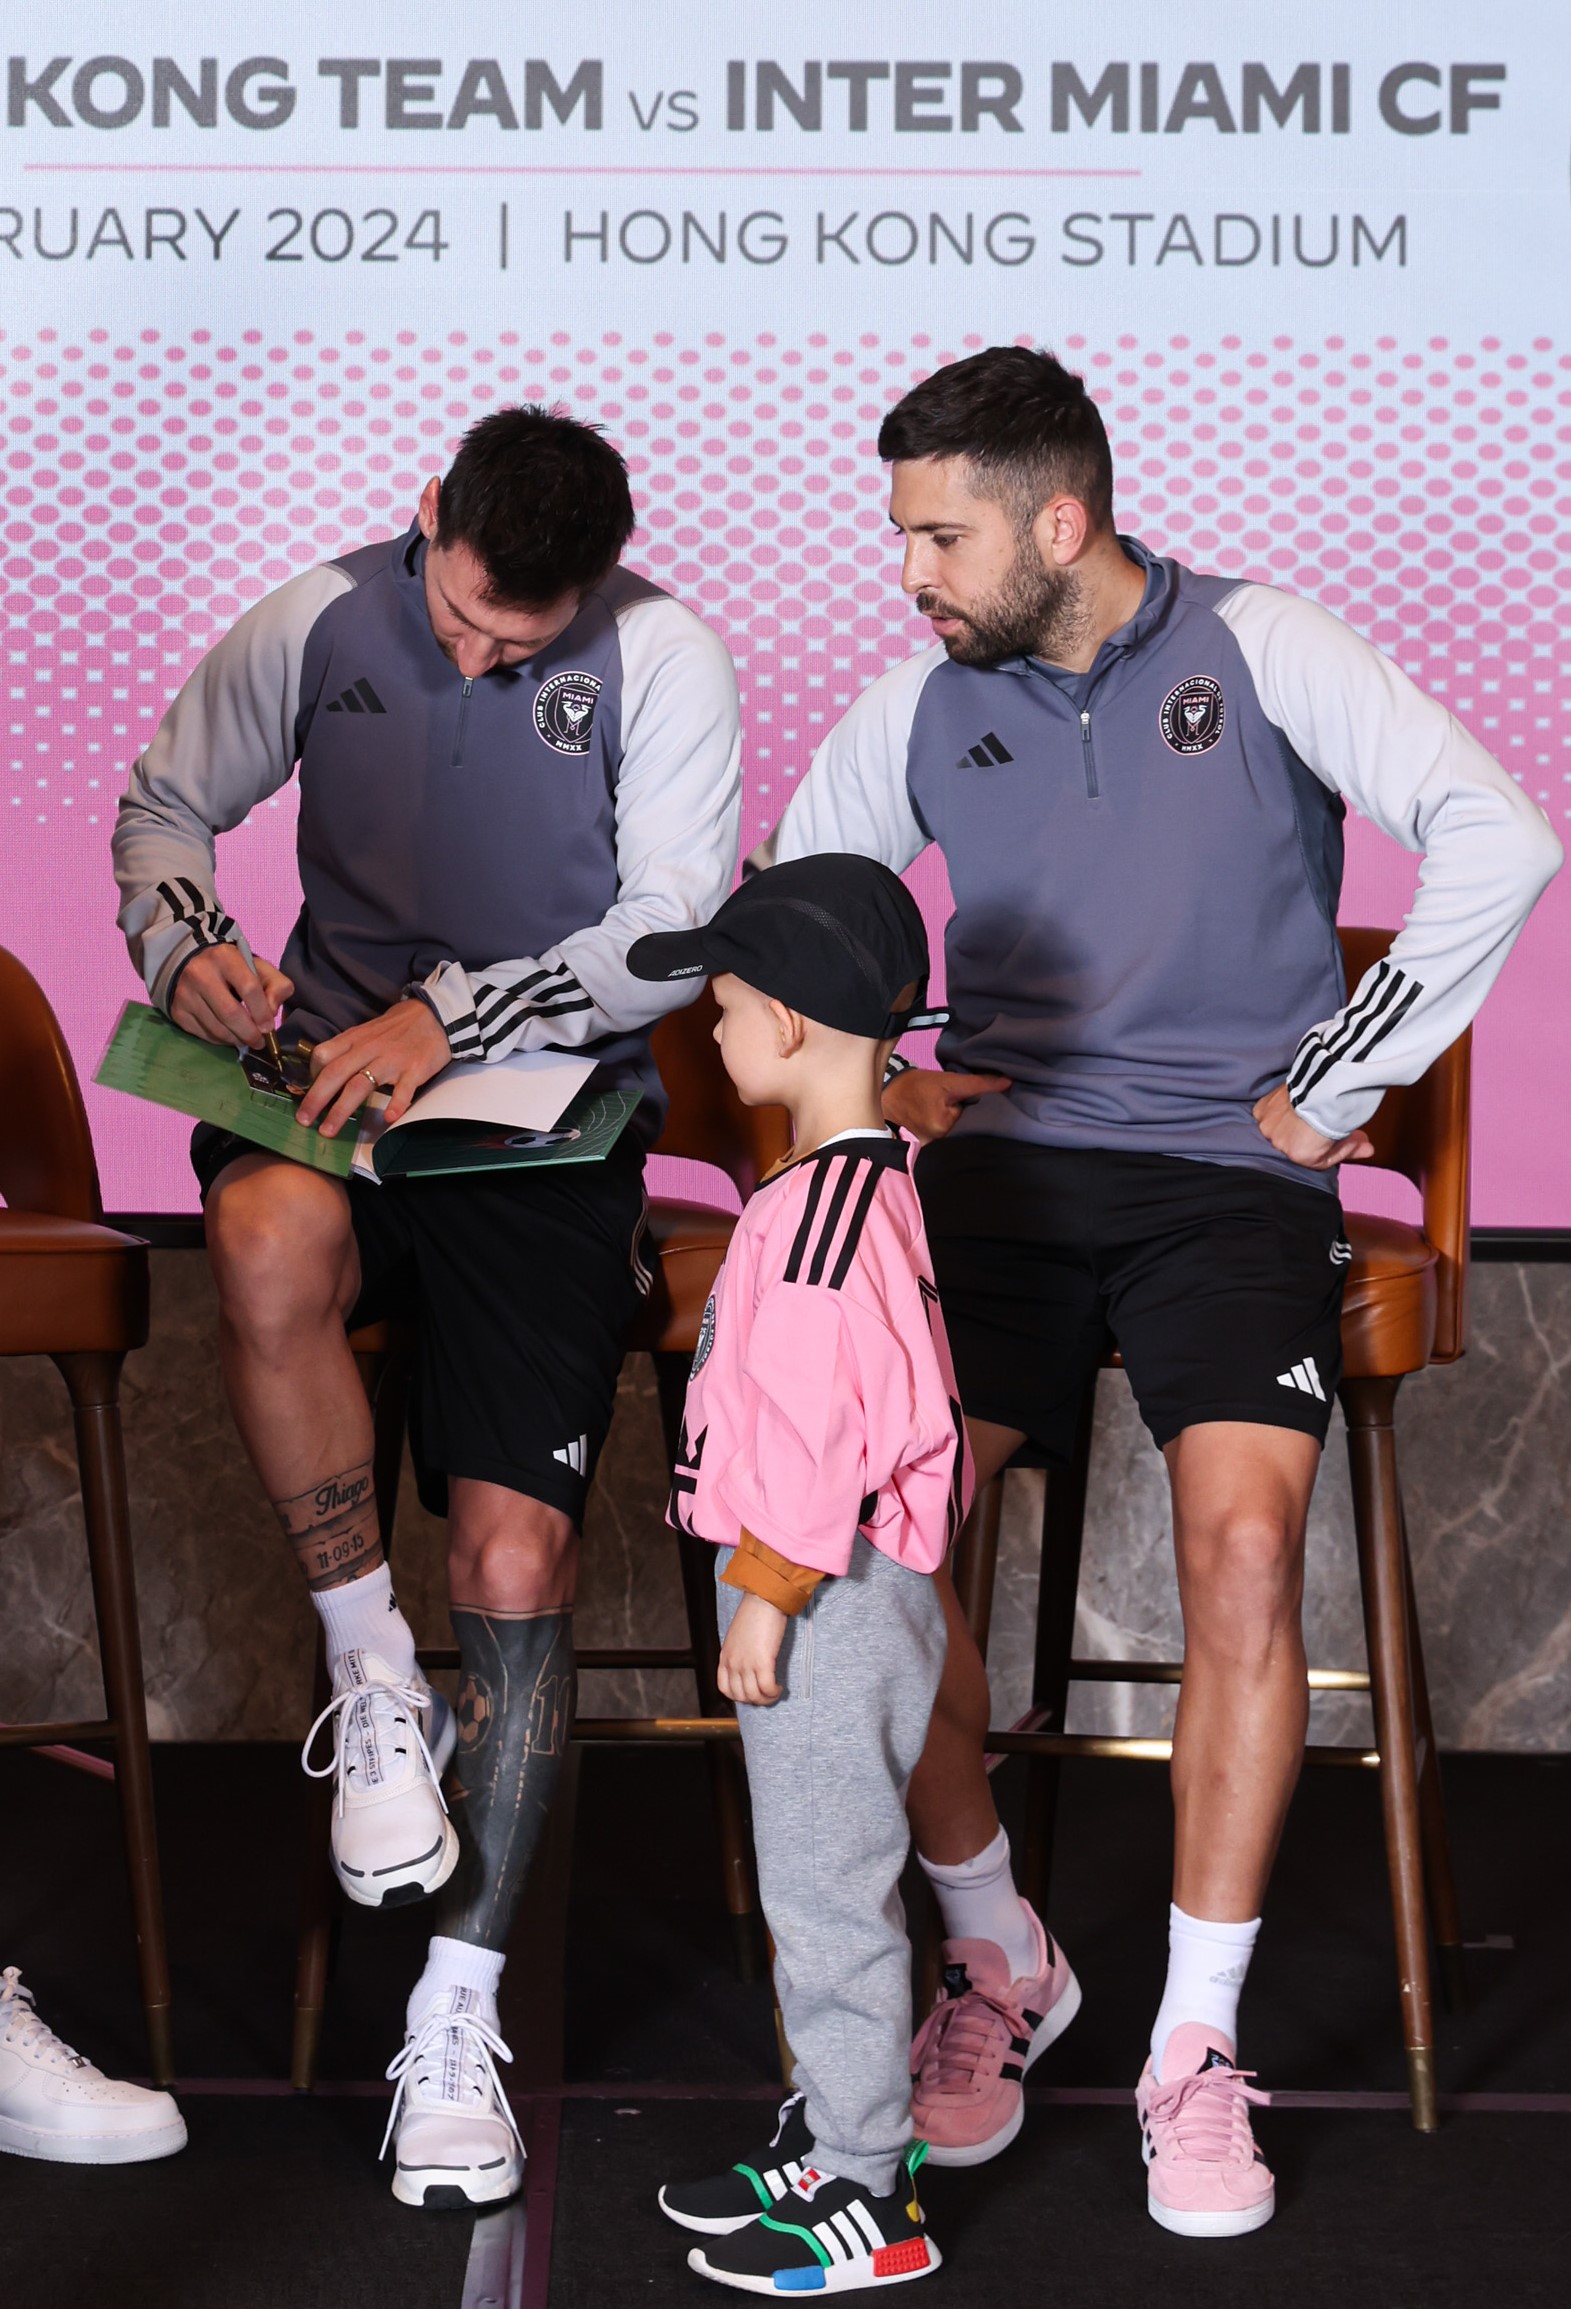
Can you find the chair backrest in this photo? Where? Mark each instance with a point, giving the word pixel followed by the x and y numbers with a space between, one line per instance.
pixel 46 1153
pixel 707 1122
pixel 1423 1130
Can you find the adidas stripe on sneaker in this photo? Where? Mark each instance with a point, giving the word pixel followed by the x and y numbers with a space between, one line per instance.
pixel 827 2235
pixel 754 2184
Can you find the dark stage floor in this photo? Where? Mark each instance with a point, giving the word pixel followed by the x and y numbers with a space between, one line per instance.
pixel 669 2063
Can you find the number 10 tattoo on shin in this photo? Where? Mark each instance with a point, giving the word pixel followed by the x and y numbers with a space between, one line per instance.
pixel 333 1528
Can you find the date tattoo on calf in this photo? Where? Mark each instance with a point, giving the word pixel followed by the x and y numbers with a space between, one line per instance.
pixel 333 1528
pixel 515 1715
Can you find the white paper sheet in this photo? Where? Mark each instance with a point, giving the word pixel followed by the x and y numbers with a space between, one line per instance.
pixel 527 1091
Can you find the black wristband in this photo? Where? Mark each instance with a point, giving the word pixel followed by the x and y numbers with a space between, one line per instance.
pixel 896 1065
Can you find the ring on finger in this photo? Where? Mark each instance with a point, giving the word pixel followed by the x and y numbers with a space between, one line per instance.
pixel 370 1078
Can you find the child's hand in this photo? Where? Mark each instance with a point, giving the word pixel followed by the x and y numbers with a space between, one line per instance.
pixel 748 1655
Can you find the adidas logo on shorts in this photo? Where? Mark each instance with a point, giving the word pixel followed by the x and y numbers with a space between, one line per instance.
pixel 1305 1378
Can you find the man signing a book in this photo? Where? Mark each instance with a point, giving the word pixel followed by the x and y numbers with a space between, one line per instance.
pixel 508 746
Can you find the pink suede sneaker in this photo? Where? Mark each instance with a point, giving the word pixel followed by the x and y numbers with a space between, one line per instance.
pixel 971 2053
pixel 1205 2177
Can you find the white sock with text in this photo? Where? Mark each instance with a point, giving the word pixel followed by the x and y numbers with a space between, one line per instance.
pixel 1206 1966
pixel 456 1964
pixel 363 1616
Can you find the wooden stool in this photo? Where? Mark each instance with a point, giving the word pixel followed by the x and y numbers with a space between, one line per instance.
pixel 76 1291
pixel 706 1123
pixel 1405 1308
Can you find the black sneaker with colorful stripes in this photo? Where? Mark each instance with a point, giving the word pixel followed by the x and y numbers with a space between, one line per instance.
pixel 827 2235
pixel 731 2199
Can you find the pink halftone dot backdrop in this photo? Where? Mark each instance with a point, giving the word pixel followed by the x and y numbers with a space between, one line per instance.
pixel 155 486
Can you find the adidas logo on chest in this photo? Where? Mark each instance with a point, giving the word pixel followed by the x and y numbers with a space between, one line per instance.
pixel 989 752
pixel 359 698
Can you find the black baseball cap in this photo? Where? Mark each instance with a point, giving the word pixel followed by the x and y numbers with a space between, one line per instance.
pixel 837 937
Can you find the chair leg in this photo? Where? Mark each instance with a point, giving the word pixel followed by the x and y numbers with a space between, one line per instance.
pixel 534 1983
pixel 318 1910
pixel 1444 1912
pixel 1058 1590
pixel 727 1777
pixel 1377 1515
pixel 94 1384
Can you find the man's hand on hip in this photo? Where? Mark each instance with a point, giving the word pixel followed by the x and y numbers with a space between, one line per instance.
pixel 1288 1132
pixel 928 1105
pixel 219 997
pixel 398 1051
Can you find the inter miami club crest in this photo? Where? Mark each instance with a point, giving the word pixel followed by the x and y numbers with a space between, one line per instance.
pixel 706 1338
pixel 1193 715
pixel 565 711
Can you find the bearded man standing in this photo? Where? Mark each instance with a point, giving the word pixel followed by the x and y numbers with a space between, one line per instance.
pixel 1137 776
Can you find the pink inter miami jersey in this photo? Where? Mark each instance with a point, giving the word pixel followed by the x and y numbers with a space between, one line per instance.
pixel 822 1400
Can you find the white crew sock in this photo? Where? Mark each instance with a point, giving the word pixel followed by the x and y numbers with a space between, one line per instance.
pixel 363 1616
pixel 978 1901
pixel 1206 1965
pixel 456 1964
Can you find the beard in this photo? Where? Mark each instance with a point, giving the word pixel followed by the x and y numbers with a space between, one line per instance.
pixel 1036 612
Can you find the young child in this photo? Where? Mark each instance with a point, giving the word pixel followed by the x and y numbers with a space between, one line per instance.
pixel 823 1452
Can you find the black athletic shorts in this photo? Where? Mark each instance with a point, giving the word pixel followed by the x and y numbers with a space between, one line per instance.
pixel 1221 1285
pixel 523 1284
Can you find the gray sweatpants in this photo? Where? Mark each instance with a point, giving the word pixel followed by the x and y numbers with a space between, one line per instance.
pixel 828 1766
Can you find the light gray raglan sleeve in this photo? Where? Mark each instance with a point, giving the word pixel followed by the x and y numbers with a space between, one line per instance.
pixel 678 810
pixel 226 743
pixel 1406 764
pixel 854 796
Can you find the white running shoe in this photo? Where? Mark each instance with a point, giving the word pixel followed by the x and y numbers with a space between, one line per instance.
pixel 392 1840
pixel 54 2104
pixel 455 2139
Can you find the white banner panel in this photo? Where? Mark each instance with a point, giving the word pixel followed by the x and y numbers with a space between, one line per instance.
pixel 260 266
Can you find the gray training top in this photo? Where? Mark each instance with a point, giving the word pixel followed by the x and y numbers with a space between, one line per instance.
pixel 496 843
pixel 1146 860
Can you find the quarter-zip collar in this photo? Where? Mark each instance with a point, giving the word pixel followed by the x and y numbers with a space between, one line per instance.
pixel 409 576
pixel 1077 690
pixel 409 566
pixel 1155 605
pixel 408 561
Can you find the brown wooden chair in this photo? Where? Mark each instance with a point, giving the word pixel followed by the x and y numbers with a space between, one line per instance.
pixel 75 1290
pixel 707 1123
pixel 1405 1308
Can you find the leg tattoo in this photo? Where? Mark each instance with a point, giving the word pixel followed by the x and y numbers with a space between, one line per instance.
pixel 515 1712
pixel 333 1528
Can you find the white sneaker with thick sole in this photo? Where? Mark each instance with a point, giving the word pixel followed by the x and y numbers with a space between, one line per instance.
pixel 455 2140
pixel 54 2104
pixel 392 1841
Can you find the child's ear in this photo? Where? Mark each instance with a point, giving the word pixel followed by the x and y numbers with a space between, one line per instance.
pixel 790 1028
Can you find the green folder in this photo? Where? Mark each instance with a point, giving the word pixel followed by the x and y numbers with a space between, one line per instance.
pixel 153 1059
pixel 589 1127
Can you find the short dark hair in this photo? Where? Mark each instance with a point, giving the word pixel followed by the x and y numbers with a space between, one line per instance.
pixel 541 501
pixel 1024 423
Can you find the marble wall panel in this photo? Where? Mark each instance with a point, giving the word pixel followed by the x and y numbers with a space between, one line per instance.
pixel 1486 1455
